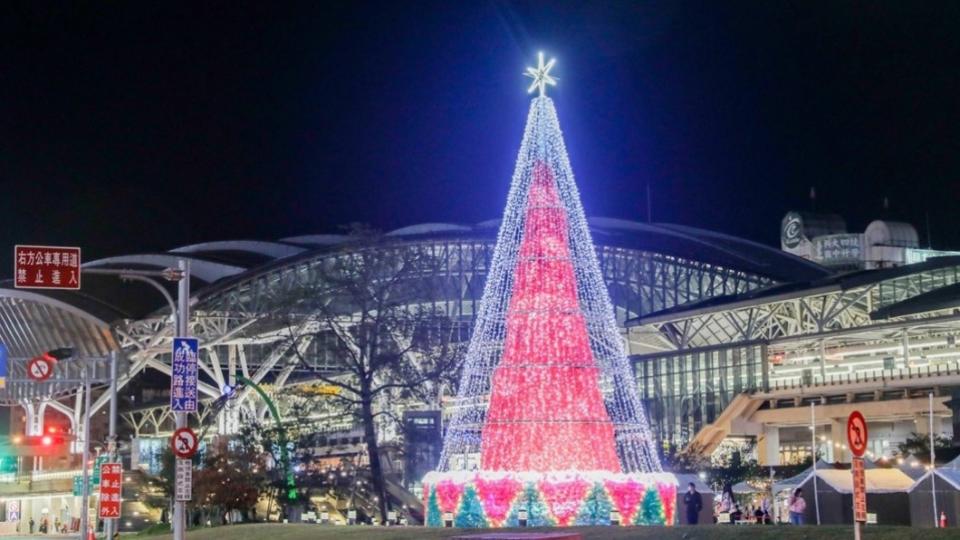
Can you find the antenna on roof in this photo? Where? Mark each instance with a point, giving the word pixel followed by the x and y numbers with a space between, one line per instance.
pixel 886 203
pixel 926 216
pixel 813 198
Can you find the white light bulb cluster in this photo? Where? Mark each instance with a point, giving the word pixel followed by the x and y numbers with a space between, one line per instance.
pixel 635 447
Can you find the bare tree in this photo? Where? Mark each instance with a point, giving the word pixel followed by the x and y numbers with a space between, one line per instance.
pixel 382 315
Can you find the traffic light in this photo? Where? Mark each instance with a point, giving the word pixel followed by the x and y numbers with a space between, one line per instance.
pixel 49 444
pixel 58 354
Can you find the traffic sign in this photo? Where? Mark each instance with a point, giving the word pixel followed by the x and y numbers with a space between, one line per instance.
pixel 184 443
pixel 101 459
pixel 46 267
pixel 857 433
pixel 183 379
pixel 111 481
pixel 183 483
pixel 78 485
pixel 13 511
pixel 40 368
pixel 859 491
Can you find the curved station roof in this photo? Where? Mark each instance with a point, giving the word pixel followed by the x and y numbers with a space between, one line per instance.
pixel 33 321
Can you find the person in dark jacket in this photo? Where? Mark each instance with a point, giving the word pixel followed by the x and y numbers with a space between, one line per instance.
pixel 694 503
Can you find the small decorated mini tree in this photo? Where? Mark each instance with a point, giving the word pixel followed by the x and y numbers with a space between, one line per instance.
pixel 596 508
pixel 651 509
pixel 538 515
pixel 434 516
pixel 470 515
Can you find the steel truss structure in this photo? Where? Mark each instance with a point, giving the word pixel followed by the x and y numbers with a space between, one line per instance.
pixel 829 335
pixel 245 318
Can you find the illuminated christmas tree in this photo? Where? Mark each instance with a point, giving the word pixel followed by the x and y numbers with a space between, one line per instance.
pixel 547 399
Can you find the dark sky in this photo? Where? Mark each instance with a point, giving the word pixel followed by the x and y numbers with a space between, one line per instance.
pixel 137 126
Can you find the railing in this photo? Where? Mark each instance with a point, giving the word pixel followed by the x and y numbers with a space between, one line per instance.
pixel 866 376
pixel 36 476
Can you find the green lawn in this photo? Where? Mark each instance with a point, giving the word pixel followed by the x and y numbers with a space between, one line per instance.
pixel 713 532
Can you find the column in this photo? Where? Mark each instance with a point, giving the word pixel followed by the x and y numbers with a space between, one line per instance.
pixel 838 440
pixel 768 446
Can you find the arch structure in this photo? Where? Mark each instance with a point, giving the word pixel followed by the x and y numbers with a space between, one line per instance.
pixel 256 305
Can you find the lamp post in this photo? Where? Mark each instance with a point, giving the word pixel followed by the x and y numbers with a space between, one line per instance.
pixel 180 310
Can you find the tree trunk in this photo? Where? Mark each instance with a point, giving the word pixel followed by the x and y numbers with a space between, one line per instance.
pixel 373 452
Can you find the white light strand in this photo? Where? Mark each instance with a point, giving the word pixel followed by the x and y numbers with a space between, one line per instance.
pixel 543 143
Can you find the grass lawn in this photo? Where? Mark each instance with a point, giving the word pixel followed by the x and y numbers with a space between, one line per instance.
pixel 274 531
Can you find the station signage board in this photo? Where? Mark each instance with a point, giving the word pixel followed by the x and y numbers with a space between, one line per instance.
pixel 46 267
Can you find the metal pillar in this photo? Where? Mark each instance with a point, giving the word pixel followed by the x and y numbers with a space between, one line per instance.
pixel 183 316
pixel 110 525
pixel 813 447
pixel 85 500
pixel 933 468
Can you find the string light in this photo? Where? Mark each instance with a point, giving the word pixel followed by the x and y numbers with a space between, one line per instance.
pixel 547 398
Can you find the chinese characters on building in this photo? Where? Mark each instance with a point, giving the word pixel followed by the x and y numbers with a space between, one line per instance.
pixel 46 267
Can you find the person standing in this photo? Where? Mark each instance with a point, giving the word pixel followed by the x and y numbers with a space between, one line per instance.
pixel 797 507
pixel 694 503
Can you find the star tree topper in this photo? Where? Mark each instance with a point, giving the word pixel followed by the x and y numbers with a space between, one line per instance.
pixel 541 75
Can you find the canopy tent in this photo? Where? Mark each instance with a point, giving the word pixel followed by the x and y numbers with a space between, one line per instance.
pixel 947 485
pixel 745 488
pixel 887 496
pixel 794 481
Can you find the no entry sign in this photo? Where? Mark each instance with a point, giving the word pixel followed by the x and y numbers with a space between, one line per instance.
pixel 184 443
pixel 46 267
pixel 857 433
pixel 40 368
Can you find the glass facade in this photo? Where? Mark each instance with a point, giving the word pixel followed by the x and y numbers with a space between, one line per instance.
pixel 685 391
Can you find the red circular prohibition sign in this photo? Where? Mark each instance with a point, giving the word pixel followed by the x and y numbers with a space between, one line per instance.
pixel 39 369
pixel 184 443
pixel 857 433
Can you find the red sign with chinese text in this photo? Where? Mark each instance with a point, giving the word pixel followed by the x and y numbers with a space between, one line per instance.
pixel 859 491
pixel 111 481
pixel 46 267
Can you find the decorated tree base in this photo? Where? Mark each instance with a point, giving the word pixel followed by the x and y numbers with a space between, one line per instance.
pixel 561 498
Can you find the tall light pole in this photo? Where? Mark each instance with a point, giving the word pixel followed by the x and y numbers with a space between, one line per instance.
pixel 183 317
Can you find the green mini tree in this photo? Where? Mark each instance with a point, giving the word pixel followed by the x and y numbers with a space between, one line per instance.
pixel 434 515
pixel 470 515
pixel 595 510
pixel 651 509
pixel 538 515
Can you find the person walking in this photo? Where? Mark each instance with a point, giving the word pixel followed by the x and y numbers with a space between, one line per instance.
pixel 797 507
pixel 694 503
pixel 32 525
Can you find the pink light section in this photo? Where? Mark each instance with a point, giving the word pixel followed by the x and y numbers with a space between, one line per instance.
pixel 546 412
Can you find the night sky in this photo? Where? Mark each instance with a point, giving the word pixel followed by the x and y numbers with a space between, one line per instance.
pixel 138 126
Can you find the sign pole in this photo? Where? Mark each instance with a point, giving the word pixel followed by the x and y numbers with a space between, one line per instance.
pixel 110 524
pixel 813 449
pixel 857 441
pixel 183 316
pixel 85 499
pixel 856 523
pixel 933 467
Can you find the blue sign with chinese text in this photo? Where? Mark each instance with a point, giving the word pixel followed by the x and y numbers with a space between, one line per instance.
pixel 183 376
